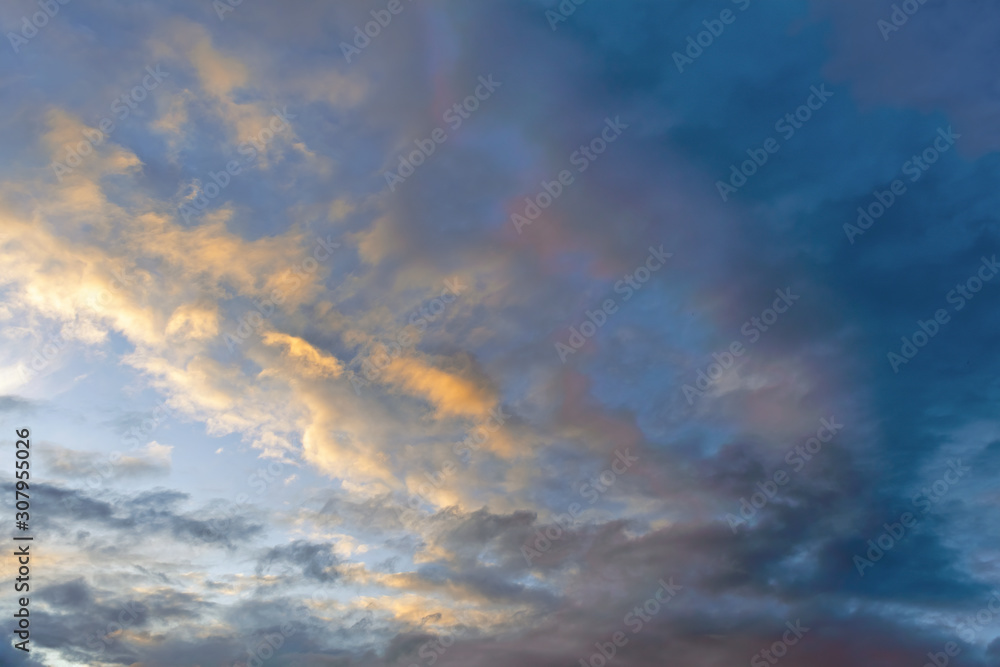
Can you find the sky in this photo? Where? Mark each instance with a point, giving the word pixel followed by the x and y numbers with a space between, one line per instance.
pixel 403 333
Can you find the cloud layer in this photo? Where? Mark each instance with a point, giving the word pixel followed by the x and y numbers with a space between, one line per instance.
pixel 283 412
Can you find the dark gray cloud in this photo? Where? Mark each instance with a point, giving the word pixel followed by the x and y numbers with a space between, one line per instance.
pixel 15 404
pixel 312 561
pixel 131 517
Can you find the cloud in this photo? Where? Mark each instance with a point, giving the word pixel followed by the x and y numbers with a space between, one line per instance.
pixel 450 392
pixel 312 361
pixel 140 302
pixel 131 516
pixel 316 561
pixel 15 404
pixel 152 459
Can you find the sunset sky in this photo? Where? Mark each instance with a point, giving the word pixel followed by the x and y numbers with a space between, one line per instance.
pixel 466 333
